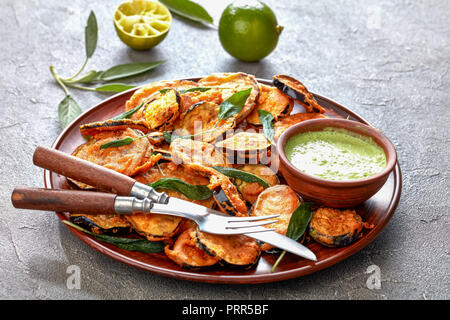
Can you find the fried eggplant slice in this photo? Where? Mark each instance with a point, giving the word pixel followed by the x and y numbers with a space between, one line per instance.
pixel 202 120
pixel 273 100
pixel 187 254
pixel 283 124
pixel 150 159
pixel 154 227
pixel 232 250
pixel 146 93
pixel 225 193
pixel 163 110
pixel 91 129
pixel 251 190
pixel 102 224
pixel 231 83
pixel 191 98
pixel 187 151
pixel 125 159
pixel 245 147
pixel 336 228
pixel 295 89
pixel 279 199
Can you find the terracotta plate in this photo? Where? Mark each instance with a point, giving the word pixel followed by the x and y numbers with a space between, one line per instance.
pixel 377 210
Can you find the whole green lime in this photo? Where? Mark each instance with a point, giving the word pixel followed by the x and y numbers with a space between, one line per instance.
pixel 248 30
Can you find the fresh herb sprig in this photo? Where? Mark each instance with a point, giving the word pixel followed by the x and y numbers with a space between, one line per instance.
pixel 141 245
pixel 120 142
pixel 266 119
pixel 193 192
pixel 128 113
pixel 297 226
pixel 241 175
pixel 233 104
pixel 68 108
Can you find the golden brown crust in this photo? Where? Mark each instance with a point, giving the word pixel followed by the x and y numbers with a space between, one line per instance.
pixel 187 151
pixel 238 250
pixel 335 222
pixel 99 223
pixel 161 112
pixel 308 102
pixel 279 199
pixel 272 100
pixel 220 181
pixel 91 129
pixel 230 83
pixel 148 90
pixel 186 253
pixel 154 227
pixel 202 120
pixel 194 97
pixel 251 190
pixel 335 228
pixel 124 159
pixel 244 141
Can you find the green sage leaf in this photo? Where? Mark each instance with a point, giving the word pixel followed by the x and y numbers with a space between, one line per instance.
pixel 167 137
pixel 241 175
pixel 117 143
pixel 87 77
pixel 201 89
pixel 141 245
pixel 128 113
pixel 266 119
pixel 68 110
pixel 298 223
pixel 193 192
pixel 234 104
pixel 128 69
pixel 114 87
pixel 189 10
pixel 91 34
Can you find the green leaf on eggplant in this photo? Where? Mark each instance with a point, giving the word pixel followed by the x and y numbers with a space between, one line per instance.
pixel 241 175
pixel 141 245
pixel 234 104
pixel 128 113
pixel 200 89
pixel 193 192
pixel 266 119
pixel 117 143
pixel 298 223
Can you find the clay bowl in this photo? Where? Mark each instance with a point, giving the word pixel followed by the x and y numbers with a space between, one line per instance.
pixel 342 193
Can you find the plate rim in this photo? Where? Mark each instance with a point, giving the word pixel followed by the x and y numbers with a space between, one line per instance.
pixel 189 275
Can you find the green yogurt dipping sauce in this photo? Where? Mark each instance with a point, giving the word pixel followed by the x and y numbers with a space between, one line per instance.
pixel 335 154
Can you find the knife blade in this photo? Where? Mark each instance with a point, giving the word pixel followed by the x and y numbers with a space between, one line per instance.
pixel 282 242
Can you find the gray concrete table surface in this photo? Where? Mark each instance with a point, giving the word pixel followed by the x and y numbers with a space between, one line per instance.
pixel 386 60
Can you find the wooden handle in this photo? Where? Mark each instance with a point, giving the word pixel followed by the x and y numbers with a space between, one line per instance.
pixel 83 171
pixel 63 200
